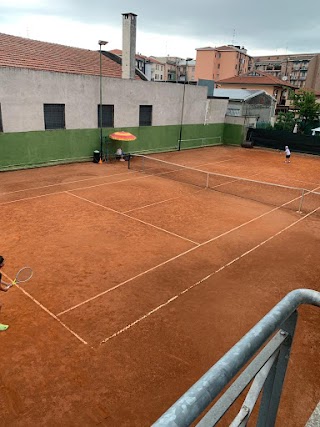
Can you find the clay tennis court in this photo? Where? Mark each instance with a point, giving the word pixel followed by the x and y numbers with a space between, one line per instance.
pixel 141 283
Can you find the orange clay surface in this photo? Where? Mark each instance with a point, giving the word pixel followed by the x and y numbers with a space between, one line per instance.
pixel 104 334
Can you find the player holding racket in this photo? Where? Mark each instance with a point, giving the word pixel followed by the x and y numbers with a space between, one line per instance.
pixel 3 287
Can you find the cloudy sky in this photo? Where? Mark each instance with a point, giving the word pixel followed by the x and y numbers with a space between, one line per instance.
pixel 169 27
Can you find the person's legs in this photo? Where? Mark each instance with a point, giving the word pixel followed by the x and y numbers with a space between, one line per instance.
pixel 3 327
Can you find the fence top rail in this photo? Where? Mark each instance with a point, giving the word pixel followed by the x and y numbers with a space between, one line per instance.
pixel 222 175
pixel 202 393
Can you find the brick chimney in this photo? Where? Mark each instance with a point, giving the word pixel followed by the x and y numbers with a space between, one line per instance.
pixel 129 30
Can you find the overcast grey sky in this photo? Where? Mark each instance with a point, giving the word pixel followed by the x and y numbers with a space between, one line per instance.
pixel 168 27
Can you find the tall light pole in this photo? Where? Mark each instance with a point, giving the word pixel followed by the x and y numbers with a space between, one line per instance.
pixel 101 43
pixel 184 91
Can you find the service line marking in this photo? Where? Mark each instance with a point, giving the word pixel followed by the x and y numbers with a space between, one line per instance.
pixel 174 298
pixel 171 259
pixel 133 218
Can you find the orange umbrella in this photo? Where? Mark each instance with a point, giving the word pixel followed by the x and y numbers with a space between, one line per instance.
pixel 122 136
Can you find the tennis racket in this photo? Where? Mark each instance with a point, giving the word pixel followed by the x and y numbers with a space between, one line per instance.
pixel 23 275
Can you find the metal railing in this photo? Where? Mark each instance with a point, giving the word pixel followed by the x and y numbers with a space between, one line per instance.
pixel 267 370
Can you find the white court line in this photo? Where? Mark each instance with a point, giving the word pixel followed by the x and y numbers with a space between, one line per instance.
pixel 64 183
pixel 47 311
pixel 133 218
pixel 163 201
pixel 75 189
pixel 31 198
pixel 202 280
pixel 214 163
pixel 172 259
pixel 178 197
pixel 110 183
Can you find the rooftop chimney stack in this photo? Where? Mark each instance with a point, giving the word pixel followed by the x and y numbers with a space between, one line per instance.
pixel 129 30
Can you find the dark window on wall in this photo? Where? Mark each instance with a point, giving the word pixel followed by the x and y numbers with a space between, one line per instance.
pixel 1 127
pixel 145 115
pixel 54 116
pixel 107 116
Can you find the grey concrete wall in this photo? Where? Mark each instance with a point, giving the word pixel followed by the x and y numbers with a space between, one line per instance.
pixel 23 93
pixel 216 110
pixel 235 120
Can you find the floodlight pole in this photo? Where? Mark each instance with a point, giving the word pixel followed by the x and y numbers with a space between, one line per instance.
pixel 101 43
pixel 184 91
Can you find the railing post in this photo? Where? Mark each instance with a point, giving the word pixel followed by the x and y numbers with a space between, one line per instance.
pixel 273 386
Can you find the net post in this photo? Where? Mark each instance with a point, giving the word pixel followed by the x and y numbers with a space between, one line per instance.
pixel 301 201
pixel 143 164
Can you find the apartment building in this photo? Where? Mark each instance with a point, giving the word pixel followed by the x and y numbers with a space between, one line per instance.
pixel 217 63
pixel 300 70
pixel 177 69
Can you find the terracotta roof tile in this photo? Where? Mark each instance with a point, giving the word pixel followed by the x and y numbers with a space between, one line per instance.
pixel 259 78
pixel 19 52
pixel 119 53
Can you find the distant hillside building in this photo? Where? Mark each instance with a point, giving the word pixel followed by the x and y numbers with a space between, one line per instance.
pixel 300 70
pixel 216 63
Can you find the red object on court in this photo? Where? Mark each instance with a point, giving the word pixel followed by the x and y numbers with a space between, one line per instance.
pixel 122 136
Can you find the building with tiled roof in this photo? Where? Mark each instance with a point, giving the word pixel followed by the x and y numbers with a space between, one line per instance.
pixel 252 78
pixel 142 62
pixel 19 52
pixel 275 87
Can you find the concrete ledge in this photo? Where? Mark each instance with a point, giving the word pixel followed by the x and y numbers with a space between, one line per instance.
pixel 314 420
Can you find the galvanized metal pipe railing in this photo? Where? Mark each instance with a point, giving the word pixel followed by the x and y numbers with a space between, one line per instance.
pixel 203 392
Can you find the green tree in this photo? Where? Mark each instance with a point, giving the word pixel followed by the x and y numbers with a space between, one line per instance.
pixel 308 109
pixel 285 121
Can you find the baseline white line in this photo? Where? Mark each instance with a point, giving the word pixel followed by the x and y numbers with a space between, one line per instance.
pixel 47 311
pixel 201 281
pixel 133 218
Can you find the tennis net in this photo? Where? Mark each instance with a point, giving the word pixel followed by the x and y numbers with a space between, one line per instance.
pixel 293 198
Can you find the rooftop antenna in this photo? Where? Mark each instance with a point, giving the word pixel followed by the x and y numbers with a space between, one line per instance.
pixel 233 36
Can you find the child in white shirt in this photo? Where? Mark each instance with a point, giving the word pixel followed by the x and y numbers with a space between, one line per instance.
pixel 288 154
